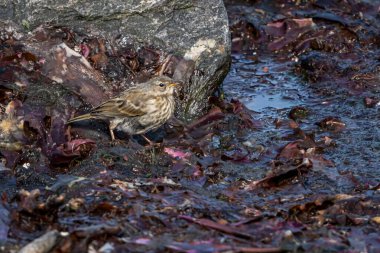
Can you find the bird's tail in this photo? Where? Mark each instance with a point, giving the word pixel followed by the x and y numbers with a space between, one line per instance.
pixel 79 118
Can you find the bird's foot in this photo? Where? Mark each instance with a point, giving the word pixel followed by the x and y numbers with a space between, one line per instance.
pixel 117 142
pixel 114 141
pixel 151 144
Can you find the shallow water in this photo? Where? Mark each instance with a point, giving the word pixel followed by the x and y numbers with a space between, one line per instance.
pixel 270 88
pixel 264 85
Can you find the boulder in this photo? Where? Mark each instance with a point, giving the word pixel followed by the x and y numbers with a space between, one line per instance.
pixel 196 32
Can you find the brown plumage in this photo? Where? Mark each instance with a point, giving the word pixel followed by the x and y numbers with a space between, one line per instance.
pixel 139 109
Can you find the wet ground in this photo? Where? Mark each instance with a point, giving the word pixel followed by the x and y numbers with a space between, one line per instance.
pixel 271 89
pixel 287 159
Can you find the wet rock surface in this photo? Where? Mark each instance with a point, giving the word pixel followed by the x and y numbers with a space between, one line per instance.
pixel 285 160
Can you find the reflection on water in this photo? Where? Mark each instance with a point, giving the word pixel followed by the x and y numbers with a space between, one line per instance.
pixel 262 85
pixel 262 101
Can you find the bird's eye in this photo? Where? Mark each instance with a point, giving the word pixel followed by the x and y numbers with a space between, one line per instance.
pixel 162 85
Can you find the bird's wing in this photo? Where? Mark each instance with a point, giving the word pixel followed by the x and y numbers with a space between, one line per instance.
pixel 124 106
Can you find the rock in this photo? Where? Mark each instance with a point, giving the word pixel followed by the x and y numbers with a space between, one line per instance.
pixel 195 31
pixel 42 244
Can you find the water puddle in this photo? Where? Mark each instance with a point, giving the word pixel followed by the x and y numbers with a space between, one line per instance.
pixel 263 86
pixel 270 88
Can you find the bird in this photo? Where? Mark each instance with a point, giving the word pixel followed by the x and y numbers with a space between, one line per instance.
pixel 138 109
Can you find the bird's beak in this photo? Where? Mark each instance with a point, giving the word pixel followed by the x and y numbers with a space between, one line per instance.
pixel 173 84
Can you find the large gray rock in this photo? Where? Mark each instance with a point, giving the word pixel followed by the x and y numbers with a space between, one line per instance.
pixel 196 31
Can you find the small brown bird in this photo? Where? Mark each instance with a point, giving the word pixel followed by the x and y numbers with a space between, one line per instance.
pixel 138 109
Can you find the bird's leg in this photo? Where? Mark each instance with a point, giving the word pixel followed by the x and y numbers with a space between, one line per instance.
pixel 151 143
pixel 111 127
pixel 112 135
